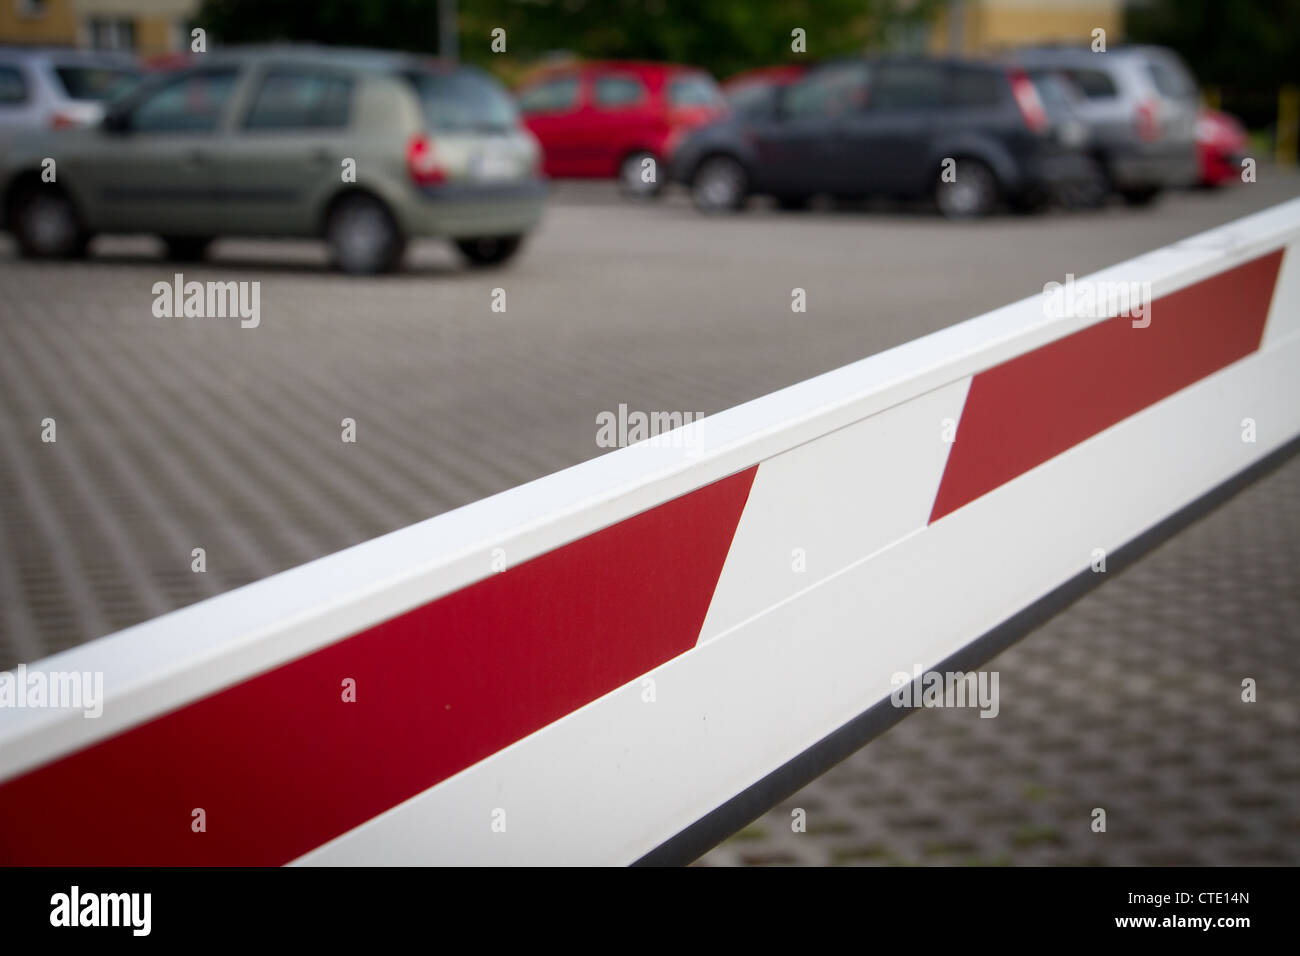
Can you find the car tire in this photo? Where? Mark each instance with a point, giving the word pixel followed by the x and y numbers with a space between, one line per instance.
pixel 1091 191
pixel 1143 196
pixel 630 181
pixel 973 193
pixel 489 250
pixel 46 225
pixel 186 248
pixel 363 236
pixel 720 184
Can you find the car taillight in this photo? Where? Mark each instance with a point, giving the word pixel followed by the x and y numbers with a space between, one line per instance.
pixel 422 161
pixel 62 121
pixel 1147 120
pixel 1031 107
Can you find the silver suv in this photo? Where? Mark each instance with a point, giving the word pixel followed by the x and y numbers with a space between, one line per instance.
pixel 1140 106
pixel 364 149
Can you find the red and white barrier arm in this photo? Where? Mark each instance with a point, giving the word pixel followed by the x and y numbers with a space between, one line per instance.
pixel 652 665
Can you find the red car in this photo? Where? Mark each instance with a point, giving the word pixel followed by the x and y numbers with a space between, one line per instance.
pixel 606 119
pixel 1220 146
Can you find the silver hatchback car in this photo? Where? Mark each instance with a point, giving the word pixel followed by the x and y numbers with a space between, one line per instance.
pixel 52 89
pixel 365 149
pixel 1140 106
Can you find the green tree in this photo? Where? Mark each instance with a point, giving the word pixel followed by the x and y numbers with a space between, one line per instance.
pixel 1247 48
pixel 722 35
pixel 397 24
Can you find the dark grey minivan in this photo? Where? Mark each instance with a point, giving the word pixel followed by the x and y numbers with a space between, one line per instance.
pixel 969 134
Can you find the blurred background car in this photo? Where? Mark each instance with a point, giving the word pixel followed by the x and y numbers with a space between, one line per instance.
pixel 362 148
pixel 1140 104
pixel 754 92
pixel 1063 102
pixel 885 126
pixel 1221 144
pixel 53 89
pixel 162 62
pixel 606 119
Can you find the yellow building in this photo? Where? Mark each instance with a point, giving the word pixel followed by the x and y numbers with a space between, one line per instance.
pixel 141 26
pixel 987 26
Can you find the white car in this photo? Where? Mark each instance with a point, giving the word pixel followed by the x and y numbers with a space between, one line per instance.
pixel 47 89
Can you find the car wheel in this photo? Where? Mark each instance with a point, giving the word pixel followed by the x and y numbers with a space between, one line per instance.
pixel 1143 196
pixel 46 225
pixel 186 248
pixel 972 193
pixel 720 184
pixel 1090 191
pixel 489 251
pixel 362 236
pixel 631 176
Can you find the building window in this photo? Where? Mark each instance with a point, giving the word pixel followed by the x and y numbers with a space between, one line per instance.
pixel 32 9
pixel 111 33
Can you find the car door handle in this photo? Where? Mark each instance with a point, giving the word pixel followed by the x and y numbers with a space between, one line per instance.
pixel 197 157
pixel 319 157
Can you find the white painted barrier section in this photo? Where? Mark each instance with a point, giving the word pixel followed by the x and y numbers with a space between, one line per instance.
pixel 852 541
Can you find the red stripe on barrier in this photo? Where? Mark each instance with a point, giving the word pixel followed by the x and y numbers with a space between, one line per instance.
pixel 1033 407
pixel 281 764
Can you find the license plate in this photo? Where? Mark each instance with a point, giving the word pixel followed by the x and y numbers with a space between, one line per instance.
pixel 491 164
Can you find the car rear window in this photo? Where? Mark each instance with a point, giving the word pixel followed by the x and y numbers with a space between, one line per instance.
pixel 1094 84
pixel 13 87
pixel 464 102
pixel 613 91
pixel 97 83
pixel 694 90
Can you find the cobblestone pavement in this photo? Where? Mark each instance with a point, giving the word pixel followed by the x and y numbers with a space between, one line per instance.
pixel 176 434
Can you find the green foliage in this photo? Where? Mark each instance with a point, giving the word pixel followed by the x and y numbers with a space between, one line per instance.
pixel 1245 43
pixel 396 24
pixel 724 36
pixel 1247 48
